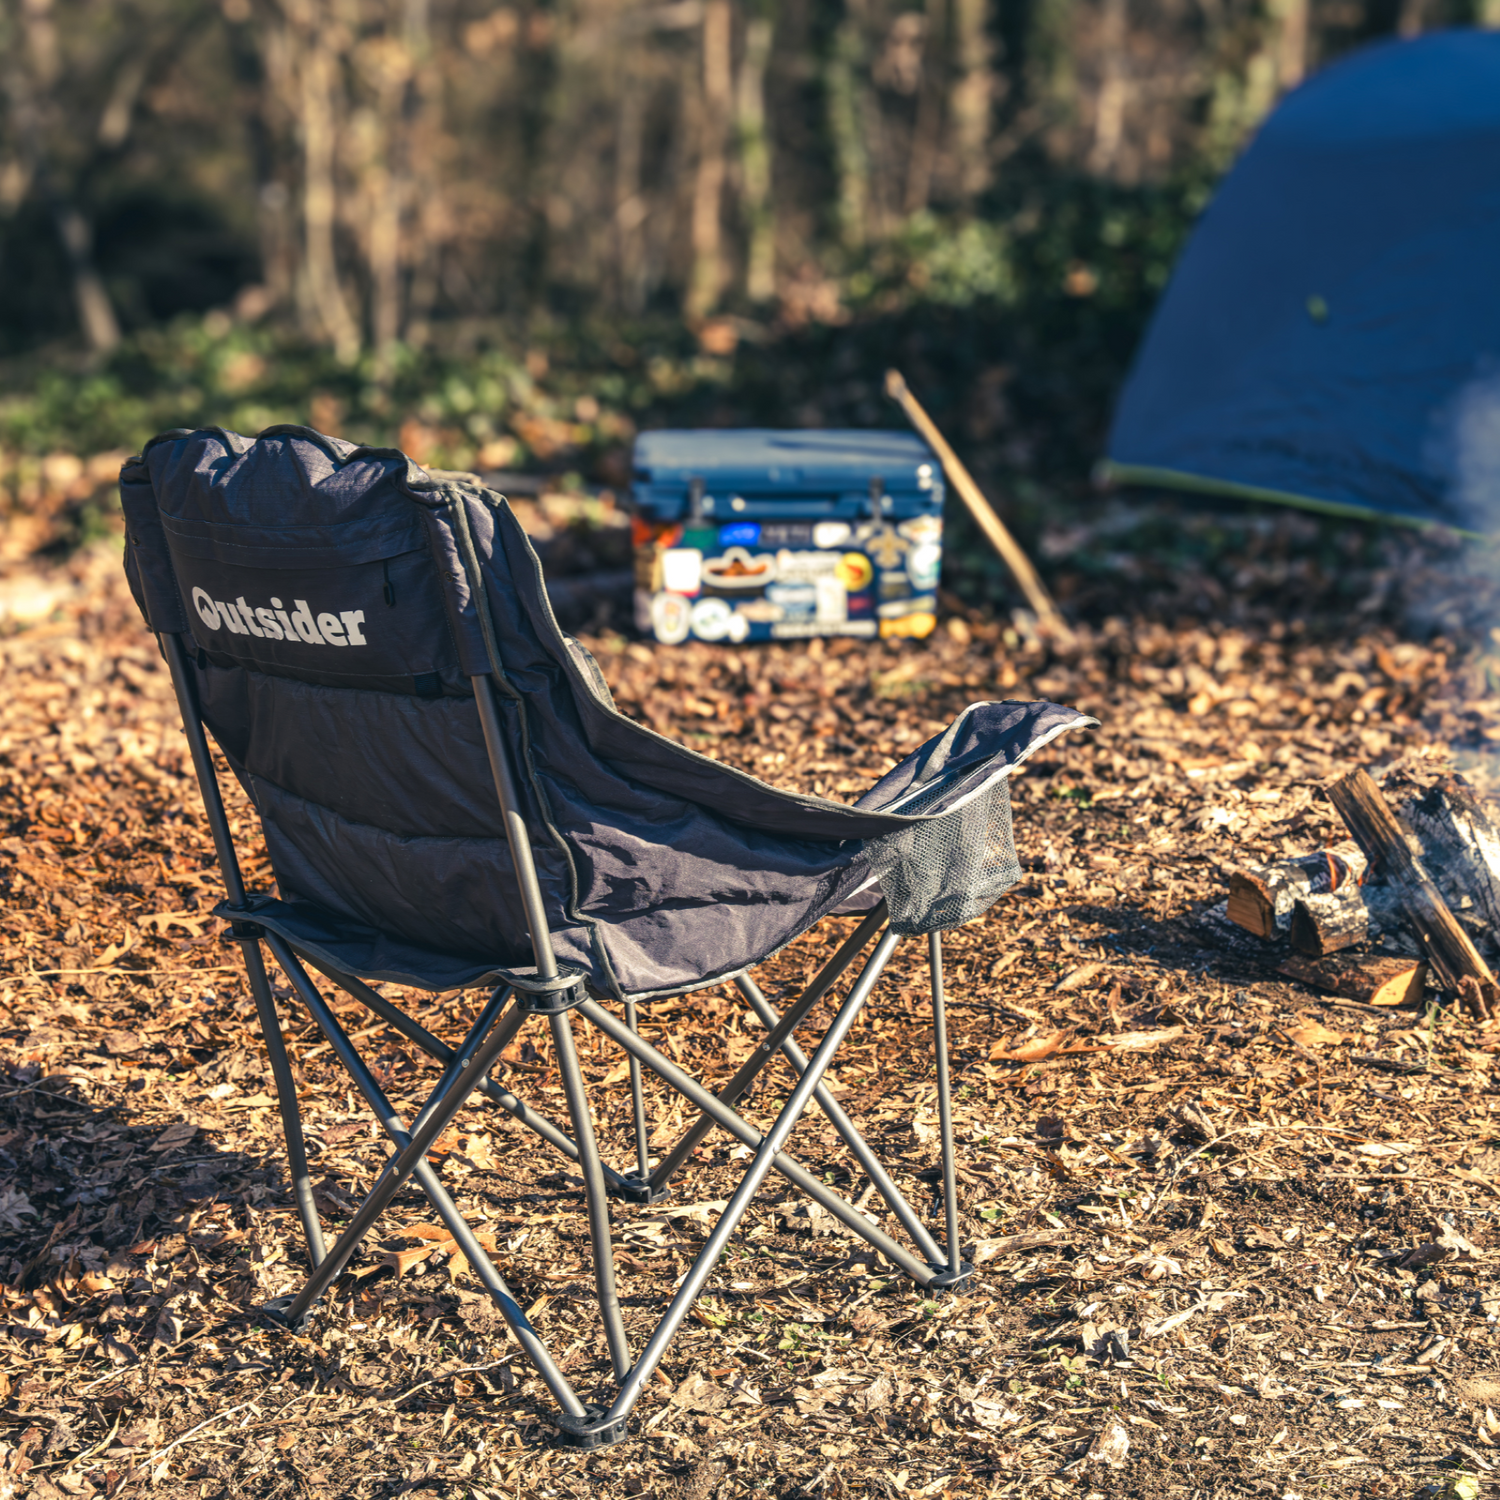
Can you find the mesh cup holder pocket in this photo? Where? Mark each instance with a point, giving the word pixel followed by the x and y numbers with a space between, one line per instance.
pixel 951 870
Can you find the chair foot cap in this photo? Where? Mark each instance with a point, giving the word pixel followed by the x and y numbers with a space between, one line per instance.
pixel 594 1429
pixel 958 1282
pixel 278 1310
pixel 633 1188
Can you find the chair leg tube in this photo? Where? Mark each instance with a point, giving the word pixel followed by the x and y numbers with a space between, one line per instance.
pixel 183 685
pixel 765 1157
pixel 832 971
pixel 593 1192
pixel 637 1104
pixel 414 1031
pixel 411 1161
pixel 945 1100
pixel 859 1148
pixel 286 1098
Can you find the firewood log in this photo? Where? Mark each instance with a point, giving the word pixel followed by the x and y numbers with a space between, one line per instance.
pixel 1460 847
pixel 1261 897
pixel 1455 960
pixel 1375 981
pixel 1324 924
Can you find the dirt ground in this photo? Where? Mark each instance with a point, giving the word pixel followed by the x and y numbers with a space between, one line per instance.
pixel 1304 1306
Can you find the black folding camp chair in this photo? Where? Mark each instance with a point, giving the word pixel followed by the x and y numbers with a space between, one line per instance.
pixel 450 799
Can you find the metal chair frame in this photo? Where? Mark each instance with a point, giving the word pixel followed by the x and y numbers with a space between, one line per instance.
pixel 551 991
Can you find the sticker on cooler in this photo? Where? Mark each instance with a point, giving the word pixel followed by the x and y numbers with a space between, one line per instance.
pixel 833 600
pixel 277 624
pixel 739 570
pixel 671 618
pixel 923 564
pixel 854 571
pixel 682 570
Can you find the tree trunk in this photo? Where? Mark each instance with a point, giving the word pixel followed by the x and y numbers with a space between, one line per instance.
pixel 707 280
pixel 32 86
pixel 1109 107
pixel 755 160
pixel 316 79
pixel 630 207
pixel 928 126
pixel 972 95
pixel 96 315
pixel 845 127
pixel 1291 42
pixel 1413 18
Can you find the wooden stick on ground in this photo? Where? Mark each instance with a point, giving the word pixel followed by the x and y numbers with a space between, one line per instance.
pixel 994 528
pixel 1456 962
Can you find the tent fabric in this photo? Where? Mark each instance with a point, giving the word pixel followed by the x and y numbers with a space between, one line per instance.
pixel 337 601
pixel 1331 334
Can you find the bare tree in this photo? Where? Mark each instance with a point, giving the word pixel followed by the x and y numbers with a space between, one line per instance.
pixel 972 97
pixel 755 157
pixel 1109 104
pixel 844 85
pixel 708 277
pixel 36 89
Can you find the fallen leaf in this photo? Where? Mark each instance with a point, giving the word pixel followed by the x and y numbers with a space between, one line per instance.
pixel 1111 1445
pixel 174 1135
pixel 992 1414
pixel 1312 1033
pixel 13 1205
pixel 697 1394
pixel 1141 1041
pixel 1079 976
pixel 1382 1148
pixel 1450 1239
pixel 193 921
pixel 1011 1244
pixel 1033 1051
pixel 1155 1329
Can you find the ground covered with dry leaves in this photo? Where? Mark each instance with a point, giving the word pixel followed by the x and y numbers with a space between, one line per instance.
pixel 1232 1238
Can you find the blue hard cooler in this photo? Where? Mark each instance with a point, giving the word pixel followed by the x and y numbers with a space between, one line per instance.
pixel 754 534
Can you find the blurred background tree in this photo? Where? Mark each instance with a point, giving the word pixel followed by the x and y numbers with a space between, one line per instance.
pixel 511 234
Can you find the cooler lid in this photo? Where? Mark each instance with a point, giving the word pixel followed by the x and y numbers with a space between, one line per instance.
pixel 763 459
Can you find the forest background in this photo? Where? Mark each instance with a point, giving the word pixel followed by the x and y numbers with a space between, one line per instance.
pixel 507 238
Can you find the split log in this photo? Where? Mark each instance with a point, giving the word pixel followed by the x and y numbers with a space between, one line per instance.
pixel 1375 981
pixel 1455 960
pixel 1460 845
pixel 1325 924
pixel 1261 897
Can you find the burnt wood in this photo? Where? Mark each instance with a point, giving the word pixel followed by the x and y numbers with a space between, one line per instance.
pixel 1449 949
pixel 1261 897
pixel 1325 924
pixel 1460 845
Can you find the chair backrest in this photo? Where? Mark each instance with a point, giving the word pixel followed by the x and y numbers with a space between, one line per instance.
pixel 338 601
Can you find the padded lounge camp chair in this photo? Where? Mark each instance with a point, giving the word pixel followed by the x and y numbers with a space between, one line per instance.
pixel 451 800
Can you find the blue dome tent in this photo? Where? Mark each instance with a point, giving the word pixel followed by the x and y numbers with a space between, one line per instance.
pixel 1331 335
